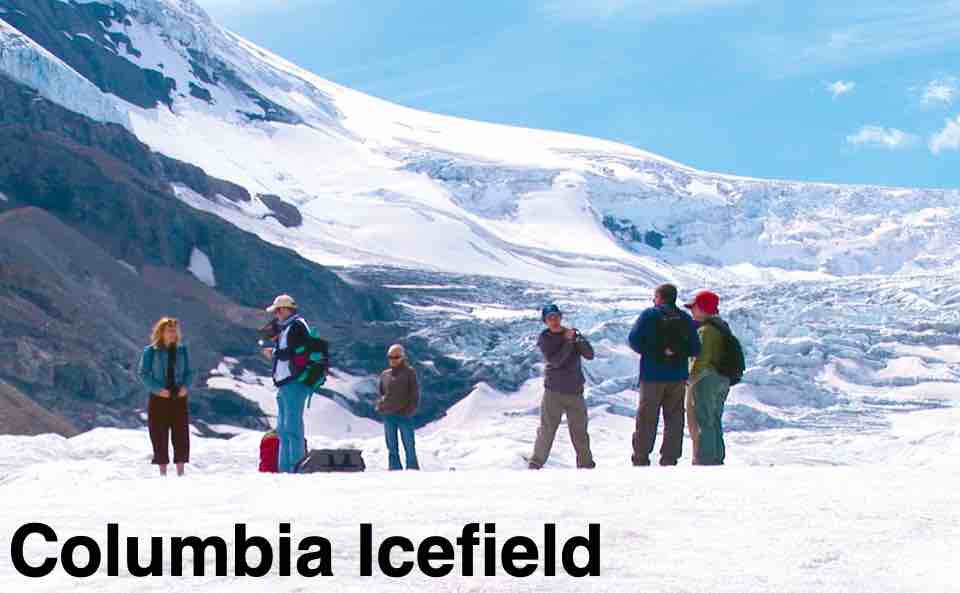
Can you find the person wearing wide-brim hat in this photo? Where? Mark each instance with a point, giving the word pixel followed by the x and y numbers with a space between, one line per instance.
pixel 291 335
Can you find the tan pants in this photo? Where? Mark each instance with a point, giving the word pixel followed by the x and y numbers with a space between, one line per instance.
pixel 552 409
pixel 692 424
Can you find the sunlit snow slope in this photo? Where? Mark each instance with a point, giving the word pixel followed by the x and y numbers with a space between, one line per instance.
pixel 379 183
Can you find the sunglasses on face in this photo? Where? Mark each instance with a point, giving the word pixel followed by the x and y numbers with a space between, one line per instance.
pixel 394 357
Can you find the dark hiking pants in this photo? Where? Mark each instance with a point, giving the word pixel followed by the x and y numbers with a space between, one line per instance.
pixel 710 395
pixel 166 417
pixel 655 397
pixel 552 410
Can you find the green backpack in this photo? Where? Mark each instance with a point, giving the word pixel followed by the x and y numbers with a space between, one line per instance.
pixel 732 363
pixel 317 353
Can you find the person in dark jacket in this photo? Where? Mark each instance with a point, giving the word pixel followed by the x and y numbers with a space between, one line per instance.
pixel 665 337
pixel 165 371
pixel 563 384
pixel 399 398
pixel 292 333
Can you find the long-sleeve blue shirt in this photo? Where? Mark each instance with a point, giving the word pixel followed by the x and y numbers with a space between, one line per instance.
pixel 643 339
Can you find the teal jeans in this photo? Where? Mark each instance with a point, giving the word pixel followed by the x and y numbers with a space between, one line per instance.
pixel 710 395
pixel 291 402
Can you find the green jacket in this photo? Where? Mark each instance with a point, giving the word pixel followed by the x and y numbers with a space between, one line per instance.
pixel 712 344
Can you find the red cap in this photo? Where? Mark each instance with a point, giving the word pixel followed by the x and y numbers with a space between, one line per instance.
pixel 708 302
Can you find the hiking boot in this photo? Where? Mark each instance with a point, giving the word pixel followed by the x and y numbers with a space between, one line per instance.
pixel 667 462
pixel 593 465
pixel 533 465
pixel 640 462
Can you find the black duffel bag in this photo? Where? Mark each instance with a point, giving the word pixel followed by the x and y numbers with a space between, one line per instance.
pixel 331 460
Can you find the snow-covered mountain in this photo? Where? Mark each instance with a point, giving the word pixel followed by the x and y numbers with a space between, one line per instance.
pixel 843 294
pixel 376 183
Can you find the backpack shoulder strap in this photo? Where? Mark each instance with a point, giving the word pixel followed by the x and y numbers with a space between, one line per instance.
pixel 718 326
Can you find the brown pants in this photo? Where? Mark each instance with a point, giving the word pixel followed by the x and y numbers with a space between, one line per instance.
pixel 552 409
pixel 655 397
pixel 165 416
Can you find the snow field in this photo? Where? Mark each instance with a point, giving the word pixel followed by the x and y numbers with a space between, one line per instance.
pixel 877 527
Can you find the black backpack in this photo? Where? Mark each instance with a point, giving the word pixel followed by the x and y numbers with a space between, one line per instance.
pixel 732 363
pixel 331 460
pixel 673 335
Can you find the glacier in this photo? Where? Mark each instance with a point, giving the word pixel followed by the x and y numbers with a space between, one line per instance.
pixel 30 64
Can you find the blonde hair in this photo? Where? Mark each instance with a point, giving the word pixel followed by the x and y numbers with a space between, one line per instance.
pixel 156 337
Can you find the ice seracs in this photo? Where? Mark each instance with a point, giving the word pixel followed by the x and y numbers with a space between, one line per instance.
pixel 26 62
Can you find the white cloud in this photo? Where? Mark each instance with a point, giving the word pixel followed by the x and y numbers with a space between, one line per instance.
pixel 948 138
pixel 840 87
pixel 940 92
pixel 599 10
pixel 880 137
pixel 851 34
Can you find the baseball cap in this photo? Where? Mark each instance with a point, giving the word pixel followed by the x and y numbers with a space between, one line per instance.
pixel 548 310
pixel 708 302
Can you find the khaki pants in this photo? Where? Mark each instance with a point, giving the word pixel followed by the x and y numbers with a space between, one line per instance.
pixel 657 397
pixel 552 409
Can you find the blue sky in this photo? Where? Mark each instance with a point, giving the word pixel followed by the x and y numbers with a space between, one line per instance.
pixel 859 91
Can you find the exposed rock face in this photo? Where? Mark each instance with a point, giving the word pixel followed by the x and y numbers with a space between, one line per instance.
pixel 19 415
pixel 286 214
pixel 78 34
pixel 75 318
pixel 100 179
pixel 217 73
pixel 75 308
pixel 196 179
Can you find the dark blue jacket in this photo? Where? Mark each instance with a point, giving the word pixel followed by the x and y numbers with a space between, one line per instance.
pixel 153 368
pixel 643 340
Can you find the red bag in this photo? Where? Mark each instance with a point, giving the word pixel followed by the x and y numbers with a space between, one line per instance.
pixel 270 453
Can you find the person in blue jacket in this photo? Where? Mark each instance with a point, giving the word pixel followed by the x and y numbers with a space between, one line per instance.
pixel 166 372
pixel 666 338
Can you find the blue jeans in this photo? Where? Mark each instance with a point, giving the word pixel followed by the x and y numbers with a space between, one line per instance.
pixel 403 425
pixel 291 401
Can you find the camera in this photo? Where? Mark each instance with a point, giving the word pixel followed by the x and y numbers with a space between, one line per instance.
pixel 268 334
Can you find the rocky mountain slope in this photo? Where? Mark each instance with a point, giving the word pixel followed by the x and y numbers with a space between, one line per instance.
pixel 96 247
